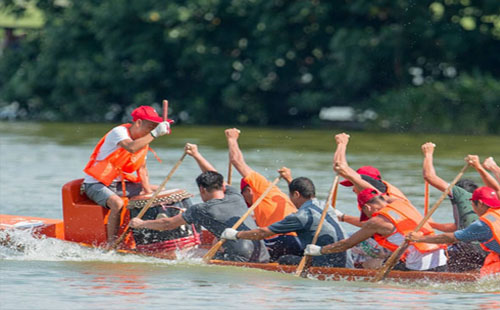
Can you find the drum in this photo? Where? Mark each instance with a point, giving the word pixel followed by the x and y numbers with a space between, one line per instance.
pixel 167 203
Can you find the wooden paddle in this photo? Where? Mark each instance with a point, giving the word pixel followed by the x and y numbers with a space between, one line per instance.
pixel 207 257
pixel 150 201
pixel 394 258
pixel 165 110
pixel 305 262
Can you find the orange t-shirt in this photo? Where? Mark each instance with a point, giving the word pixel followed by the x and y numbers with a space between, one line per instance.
pixel 275 206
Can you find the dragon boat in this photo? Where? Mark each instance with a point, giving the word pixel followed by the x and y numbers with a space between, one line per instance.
pixel 84 222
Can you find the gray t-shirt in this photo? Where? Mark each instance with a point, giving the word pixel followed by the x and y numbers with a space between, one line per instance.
pixel 462 208
pixel 218 214
pixel 305 222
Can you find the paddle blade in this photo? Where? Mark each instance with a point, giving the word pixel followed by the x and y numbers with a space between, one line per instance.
pixel 304 264
pixel 208 256
pixel 391 262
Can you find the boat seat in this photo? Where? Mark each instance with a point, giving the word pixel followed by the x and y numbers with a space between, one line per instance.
pixel 84 220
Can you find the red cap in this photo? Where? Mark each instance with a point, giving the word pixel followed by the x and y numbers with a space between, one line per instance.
pixel 487 196
pixel 365 170
pixel 145 112
pixel 363 197
pixel 243 184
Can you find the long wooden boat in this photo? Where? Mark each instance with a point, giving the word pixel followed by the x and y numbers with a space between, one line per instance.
pixel 84 223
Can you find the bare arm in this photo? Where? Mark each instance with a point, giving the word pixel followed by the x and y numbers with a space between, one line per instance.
pixel 342 139
pixel 490 164
pixel 350 174
pixel 167 223
pixel 428 171
pixel 235 154
pixel 144 176
pixel 374 225
pixel 487 178
pixel 255 234
pixel 286 174
pixel 444 227
pixel 353 220
pixel 192 150
pixel 448 237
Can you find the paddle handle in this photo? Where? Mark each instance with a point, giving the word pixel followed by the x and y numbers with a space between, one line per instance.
pixel 208 256
pixel 150 201
pixel 165 110
pixel 332 198
pixel 389 264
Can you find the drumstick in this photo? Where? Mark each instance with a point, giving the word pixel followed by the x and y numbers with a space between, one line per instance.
pixel 150 201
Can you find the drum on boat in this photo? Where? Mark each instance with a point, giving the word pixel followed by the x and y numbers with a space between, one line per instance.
pixel 167 203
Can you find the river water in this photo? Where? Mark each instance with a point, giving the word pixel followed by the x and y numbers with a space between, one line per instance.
pixel 37 159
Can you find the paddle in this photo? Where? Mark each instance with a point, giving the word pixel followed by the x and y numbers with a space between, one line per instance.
pixel 165 109
pixel 150 201
pixel 332 198
pixel 207 257
pixel 389 264
pixel 426 198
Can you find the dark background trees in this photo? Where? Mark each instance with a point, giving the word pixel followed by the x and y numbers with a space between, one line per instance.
pixel 420 65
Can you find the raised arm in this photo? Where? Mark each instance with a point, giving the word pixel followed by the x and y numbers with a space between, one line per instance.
pixel 428 171
pixel 192 150
pixel 490 164
pixel 487 178
pixel 343 170
pixel 286 174
pixel 235 154
pixel 342 139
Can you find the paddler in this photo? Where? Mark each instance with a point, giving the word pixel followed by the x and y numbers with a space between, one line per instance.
pixel 109 179
pixel 388 223
pixel 368 177
pixel 305 223
pixel 221 208
pixel 462 256
pixel 275 206
pixel 486 229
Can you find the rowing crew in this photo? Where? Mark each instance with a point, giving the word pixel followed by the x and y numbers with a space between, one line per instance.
pixel 287 223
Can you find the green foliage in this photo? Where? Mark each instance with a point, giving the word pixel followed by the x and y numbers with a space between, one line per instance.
pixel 257 62
pixel 468 104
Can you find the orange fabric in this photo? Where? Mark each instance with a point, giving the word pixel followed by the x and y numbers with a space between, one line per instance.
pixel 120 162
pixel 492 219
pixel 394 192
pixel 491 265
pixel 405 218
pixel 275 206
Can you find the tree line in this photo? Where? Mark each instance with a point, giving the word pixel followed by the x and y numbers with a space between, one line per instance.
pixel 419 65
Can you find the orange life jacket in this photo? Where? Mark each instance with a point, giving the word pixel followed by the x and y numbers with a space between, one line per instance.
pixel 118 163
pixel 492 219
pixel 405 218
pixel 393 191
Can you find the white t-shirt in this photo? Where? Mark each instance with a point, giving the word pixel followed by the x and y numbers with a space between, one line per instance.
pixel 115 136
pixel 415 260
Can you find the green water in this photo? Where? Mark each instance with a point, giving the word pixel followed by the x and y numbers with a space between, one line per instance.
pixel 37 159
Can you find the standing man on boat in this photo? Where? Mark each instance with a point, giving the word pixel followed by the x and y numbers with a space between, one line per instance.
pixel 305 223
pixel 109 179
pixel 486 229
pixel 462 256
pixel 275 206
pixel 388 223
pixel 221 208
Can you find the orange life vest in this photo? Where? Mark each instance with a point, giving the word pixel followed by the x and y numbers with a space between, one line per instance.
pixel 393 191
pixel 492 262
pixel 405 218
pixel 118 163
